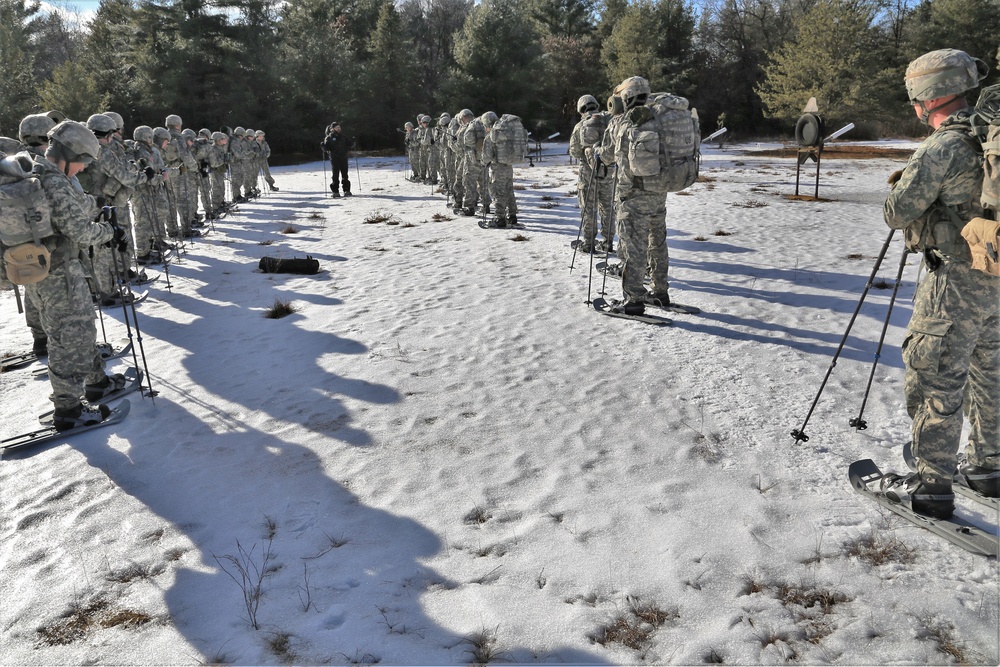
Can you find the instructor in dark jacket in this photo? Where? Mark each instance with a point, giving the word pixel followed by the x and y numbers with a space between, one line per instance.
pixel 336 146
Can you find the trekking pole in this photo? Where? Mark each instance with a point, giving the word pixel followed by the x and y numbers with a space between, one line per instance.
pixel 590 272
pixel 95 292
pixel 128 302
pixel 607 251
pixel 800 433
pixel 357 168
pixel 579 230
pixel 858 423
pixel 323 160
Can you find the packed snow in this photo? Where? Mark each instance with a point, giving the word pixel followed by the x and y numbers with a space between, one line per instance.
pixel 446 456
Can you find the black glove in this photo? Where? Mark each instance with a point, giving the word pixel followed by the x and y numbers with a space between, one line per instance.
pixel 150 173
pixel 101 201
pixel 120 240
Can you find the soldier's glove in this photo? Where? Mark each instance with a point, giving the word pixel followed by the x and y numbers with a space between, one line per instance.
pixel 119 241
pixel 640 115
pixel 894 177
pixel 150 173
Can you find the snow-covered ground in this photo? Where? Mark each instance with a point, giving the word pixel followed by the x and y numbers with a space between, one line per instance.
pixel 446 456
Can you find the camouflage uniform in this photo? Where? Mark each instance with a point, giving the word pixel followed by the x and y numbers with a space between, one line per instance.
pixel 642 218
pixel 441 139
pixel 202 150
pixel 218 164
pixel 237 154
pixel 251 164
pixel 457 164
pixel 429 143
pixel 265 153
pixel 952 350
pixel 501 177
pixel 64 302
pixel 593 183
pixel 474 177
pixel 410 142
pixel 421 150
pixel 180 162
pixel 149 203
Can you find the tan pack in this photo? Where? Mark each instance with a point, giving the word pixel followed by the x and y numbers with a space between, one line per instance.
pixel 27 264
pixel 983 237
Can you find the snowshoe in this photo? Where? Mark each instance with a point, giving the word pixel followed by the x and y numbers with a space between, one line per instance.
pixel 111 384
pixel 82 414
pixel 929 499
pixel 984 480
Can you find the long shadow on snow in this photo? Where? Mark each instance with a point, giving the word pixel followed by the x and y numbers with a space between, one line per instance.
pixel 285 359
pixel 363 564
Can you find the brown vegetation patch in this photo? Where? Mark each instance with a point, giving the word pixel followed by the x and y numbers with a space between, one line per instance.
pixel 806 198
pixel 279 309
pixel 83 618
pixel 843 152
pixel 519 237
pixel 289 230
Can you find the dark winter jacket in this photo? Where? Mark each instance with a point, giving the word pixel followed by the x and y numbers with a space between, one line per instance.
pixel 337 146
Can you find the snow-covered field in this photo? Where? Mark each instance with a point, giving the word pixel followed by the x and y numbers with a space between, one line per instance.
pixel 446 456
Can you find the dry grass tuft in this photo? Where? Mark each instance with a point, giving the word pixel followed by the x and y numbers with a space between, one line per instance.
pixel 439 217
pixel 700 238
pixel 942 633
pixel 482 647
pixel 882 283
pixel 377 217
pixel 721 232
pixel 520 237
pixel 548 204
pixel 315 216
pixel 705 178
pixel 750 203
pixel 81 619
pixel 478 515
pixel 280 644
pixel 855 255
pixel 636 627
pixel 279 309
pixel 519 187
pixel 879 548
pixel 266 242
pixel 289 230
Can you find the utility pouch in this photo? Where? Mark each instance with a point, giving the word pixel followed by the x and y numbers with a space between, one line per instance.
pixel 27 264
pixel 983 237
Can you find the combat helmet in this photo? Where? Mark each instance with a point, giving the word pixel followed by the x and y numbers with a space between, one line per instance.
pixel 488 119
pixel 633 91
pixel 34 129
pixel 101 124
pixel 173 120
pixel 239 131
pixel 73 142
pixel 444 119
pixel 189 134
pixel 408 125
pixel 143 133
pixel 117 117
pixel 943 73
pixel 587 103
pixel 205 132
pixel 56 116
pixel 466 115
pixel 160 134
pixel 248 133
pixel 219 136
pixel 259 133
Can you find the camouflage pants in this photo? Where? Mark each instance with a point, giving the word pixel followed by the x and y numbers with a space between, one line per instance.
pixel 642 227
pixel 191 182
pixel 502 190
pixel 266 169
pixel 102 271
pixel 250 170
pixel 474 182
pixel 421 163
pixel 205 192
pixel 412 158
pixel 67 316
pixel 952 357
pixel 218 188
pixel 149 206
pixel 449 168
pixel 236 178
pixel 603 188
pixel 445 177
pixel 458 185
pixel 121 201
pixel 32 317
pixel 432 162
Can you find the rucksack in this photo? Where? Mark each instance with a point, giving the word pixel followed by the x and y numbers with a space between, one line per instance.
pixel 25 220
pixel 985 123
pixel 664 145
pixel 510 139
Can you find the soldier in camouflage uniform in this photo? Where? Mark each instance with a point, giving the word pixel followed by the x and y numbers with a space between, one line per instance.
pixel 472 138
pixel 237 155
pixel 410 141
pixel 192 178
pixel 952 350
pixel 33 135
pixel 149 203
pixel 103 178
pixel 203 148
pixel 441 139
pixel 123 196
pixel 501 177
pixel 181 163
pixel 265 153
pixel 641 210
pixel 457 151
pixel 420 149
pixel 218 164
pixel 67 314
pixel 251 167
pixel 593 185
pixel 429 141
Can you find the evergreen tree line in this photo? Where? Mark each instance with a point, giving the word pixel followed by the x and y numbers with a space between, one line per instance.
pixel 290 68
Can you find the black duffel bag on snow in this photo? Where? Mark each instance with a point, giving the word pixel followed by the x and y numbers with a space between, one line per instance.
pixel 307 266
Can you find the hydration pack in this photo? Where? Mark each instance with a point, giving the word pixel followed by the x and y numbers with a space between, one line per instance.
pixel 664 143
pixel 985 122
pixel 510 139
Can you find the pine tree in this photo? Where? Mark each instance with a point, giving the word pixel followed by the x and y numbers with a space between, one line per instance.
pixel 17 86
pixel 106 55
pixel 837 57
pixel 653 40
pixel 389 80
pixel 73 92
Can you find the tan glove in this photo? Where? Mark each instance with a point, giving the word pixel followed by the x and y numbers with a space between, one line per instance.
pixel 894 176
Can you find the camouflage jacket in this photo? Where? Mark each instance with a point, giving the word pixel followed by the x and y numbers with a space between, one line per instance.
pixel 939 191
pixel 472 139
pixel 72 213
pixel 588 133
pixel 111 172
pixel 150 157
pixel 613 150
pixel 178 155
